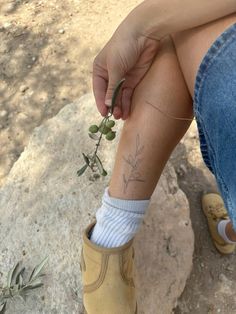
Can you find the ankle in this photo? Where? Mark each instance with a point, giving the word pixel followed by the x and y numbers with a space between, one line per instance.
pixel 226 232
pixel 229 231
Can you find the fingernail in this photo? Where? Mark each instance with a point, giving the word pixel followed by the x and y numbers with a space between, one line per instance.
pixel 108 102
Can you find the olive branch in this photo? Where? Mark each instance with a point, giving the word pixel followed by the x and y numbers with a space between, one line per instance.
pixel 16 285
pixel 92 160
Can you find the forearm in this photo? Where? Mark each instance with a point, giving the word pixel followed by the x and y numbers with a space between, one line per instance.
pixel 158 18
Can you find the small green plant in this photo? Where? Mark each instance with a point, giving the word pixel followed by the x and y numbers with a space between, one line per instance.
pixel 16 285
pixel 92 160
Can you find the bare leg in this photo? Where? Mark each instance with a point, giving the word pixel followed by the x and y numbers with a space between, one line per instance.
pixel 191 46
pixel 148 137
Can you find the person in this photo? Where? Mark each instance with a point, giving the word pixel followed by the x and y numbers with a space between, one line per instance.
pixel 178 59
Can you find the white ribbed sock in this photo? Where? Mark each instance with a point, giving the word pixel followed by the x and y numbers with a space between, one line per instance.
pixel 117 220
pixel 221 230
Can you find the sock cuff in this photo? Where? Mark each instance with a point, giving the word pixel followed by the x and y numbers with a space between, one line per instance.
pixel 221 230
pixel 135 206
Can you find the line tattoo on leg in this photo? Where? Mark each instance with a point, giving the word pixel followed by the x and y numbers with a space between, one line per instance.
pixel 134 162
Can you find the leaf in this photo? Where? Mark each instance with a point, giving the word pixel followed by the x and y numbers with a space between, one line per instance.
pixel 99 164
pixel 38 269
pixel 94 136
pixel 21 282
pixel 86 159
pixel 31 287
pixel 115 94
pixel 11 275
pixel 20 275
pixel 82 170
pixel 3 309
pixel 104 173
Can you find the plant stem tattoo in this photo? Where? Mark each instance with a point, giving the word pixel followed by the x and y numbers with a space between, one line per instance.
pixel 133 162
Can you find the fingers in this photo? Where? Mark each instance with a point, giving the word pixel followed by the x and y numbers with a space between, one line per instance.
pixel 103 89
pixel 99 90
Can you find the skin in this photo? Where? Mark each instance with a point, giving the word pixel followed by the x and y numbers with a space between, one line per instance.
pixel 130 51
pixel 155 62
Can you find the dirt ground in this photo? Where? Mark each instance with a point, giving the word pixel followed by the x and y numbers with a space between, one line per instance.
pixel 46 54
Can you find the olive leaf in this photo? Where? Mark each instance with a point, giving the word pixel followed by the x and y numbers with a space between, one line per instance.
pixel 86 159
pixel 94 136
pixel 19 278
pixel 3 308
pixel 38 269
pixel 11 275
pixel 100 166
pixel 82 170
pixel 115 94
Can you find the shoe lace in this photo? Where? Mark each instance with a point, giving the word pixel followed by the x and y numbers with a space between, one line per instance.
pixel 217 211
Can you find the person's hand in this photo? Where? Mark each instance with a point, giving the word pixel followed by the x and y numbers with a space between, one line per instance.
pixel 125 55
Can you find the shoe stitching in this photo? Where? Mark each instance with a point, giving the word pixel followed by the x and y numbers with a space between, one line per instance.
pixel 128 281
pixel 97 283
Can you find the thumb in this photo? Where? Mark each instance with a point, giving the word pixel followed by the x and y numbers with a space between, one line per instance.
pixel 114 79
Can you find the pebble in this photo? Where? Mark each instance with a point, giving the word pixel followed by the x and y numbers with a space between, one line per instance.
pixel 3 113
pixel 223 278
pixel 182 170
pixel 61 31
pixel 9 7
pixel 33 59
pixel 23 88
pixel 229 268
pixel 7 25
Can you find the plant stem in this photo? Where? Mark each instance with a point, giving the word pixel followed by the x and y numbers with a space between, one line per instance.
pixel 100 137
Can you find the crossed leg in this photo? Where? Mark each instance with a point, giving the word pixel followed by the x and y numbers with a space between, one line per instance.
pixel 149 136
pixel 191 46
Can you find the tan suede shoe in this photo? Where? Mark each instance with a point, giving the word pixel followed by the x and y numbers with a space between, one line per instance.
pixel 214 210
pixel 107 277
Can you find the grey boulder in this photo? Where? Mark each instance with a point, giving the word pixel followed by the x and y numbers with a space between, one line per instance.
pixel 45 206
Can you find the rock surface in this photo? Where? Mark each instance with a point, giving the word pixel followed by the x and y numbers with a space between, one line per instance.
pixel 44 207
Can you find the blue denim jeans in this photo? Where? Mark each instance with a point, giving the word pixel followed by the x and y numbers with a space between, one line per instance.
pixel 215 113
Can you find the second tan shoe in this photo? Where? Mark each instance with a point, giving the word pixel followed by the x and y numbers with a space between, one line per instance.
pixel 107 277
pixel 214 210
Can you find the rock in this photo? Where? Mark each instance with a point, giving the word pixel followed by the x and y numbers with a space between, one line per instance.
pixel 8 7
pixel 223 278
pixel 182 170
pixel 61 31
pixel 7 25
pixel 164 248
pixel 3 113
pixel 45 206
pixel 23 88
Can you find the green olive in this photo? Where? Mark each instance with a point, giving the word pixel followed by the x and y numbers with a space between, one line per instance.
pixel 110 135
pixel 93 128
pixel 110 123
pixel 104 129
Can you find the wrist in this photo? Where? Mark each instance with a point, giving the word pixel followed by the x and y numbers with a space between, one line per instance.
pixel 148 19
